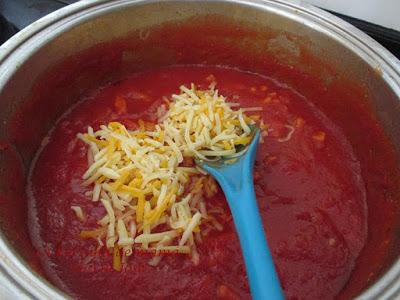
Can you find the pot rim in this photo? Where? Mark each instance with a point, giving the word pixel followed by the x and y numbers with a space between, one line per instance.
pixel 16 50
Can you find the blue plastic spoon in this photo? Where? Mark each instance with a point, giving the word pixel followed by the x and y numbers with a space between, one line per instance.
pixel 235 176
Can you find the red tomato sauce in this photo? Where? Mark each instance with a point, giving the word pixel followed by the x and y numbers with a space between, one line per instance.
pixel 309 189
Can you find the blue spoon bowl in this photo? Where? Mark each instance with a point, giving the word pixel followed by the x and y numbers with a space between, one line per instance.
pixel 235 176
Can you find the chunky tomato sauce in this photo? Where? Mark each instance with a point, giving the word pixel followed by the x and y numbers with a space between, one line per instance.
pixel 308 184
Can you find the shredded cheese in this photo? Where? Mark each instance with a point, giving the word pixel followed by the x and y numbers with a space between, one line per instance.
pixel 154 200
pixel 289 135
pixel 79 213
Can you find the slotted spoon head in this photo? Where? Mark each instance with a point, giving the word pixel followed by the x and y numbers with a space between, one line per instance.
pixel 242 151
pixel 234 171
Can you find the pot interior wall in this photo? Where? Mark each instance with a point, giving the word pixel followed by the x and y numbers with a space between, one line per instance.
pixel 105 47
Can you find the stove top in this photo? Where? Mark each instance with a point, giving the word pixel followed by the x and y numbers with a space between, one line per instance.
pixel 17 14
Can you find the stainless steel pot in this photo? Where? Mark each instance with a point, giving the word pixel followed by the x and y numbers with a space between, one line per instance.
pixel 24 59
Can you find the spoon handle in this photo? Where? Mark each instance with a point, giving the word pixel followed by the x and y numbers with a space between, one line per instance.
pixel 264 282
pixel 236 180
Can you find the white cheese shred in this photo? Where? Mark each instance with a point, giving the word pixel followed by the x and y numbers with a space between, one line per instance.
pixel 79 213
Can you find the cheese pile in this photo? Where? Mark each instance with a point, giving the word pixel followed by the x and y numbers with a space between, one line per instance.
pixel 146 179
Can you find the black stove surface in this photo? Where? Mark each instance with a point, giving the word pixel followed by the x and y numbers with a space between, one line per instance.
pixel 17 14
pixel 7 30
